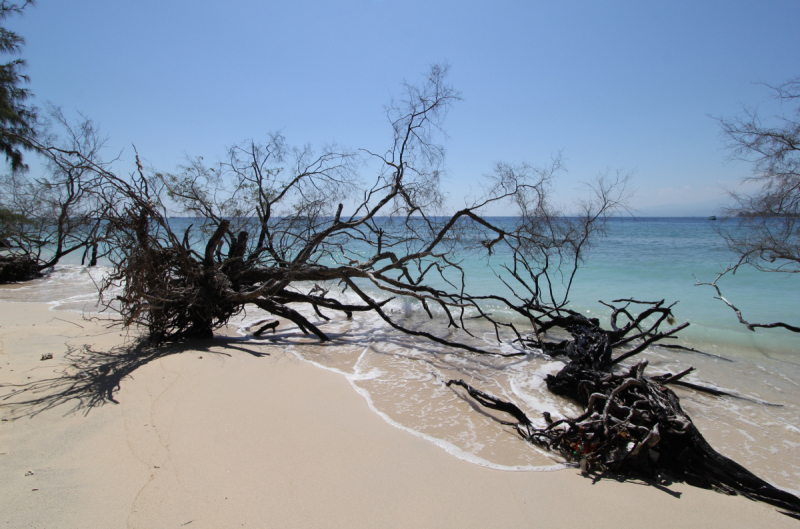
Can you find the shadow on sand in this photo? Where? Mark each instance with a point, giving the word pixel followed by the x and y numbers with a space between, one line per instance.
pixel 92 377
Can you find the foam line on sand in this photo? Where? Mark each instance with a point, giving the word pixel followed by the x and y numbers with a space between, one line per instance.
pixel 217 436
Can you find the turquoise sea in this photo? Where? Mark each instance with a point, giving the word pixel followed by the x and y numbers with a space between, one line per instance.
pixel 644 258
pixel 662 258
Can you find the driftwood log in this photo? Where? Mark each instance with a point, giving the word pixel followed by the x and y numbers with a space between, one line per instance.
pixel 15 268
pixel 632 422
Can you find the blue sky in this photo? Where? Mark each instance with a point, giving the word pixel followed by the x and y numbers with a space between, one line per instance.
pixel 613 85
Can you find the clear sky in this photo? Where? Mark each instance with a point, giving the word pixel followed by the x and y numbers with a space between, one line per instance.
pixel 613 85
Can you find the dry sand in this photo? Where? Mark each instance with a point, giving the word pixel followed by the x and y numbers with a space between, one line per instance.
pixel 219 437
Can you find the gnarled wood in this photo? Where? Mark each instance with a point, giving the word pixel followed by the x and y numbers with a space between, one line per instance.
pixel 632 423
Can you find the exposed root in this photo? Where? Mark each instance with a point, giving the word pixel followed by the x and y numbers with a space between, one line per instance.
pixel 632 423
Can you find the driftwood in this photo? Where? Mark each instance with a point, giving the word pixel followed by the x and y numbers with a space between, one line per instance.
pixel 18 267
pixel 270 220
pixel 267 326
pixel 750 326
pixel 632 423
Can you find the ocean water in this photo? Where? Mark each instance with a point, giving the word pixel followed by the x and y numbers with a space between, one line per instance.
pixel 401 377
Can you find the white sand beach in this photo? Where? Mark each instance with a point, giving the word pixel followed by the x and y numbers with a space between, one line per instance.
pixel 217 436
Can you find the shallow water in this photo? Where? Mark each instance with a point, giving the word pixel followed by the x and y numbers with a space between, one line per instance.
pixel 402 378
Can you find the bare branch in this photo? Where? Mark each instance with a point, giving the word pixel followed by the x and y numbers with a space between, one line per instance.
pixel 750 326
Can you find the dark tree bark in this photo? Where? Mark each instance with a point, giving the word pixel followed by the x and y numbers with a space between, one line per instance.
pixel 632 423
pixel 17 268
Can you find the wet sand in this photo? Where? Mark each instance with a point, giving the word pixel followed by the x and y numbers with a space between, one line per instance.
pixel 220 435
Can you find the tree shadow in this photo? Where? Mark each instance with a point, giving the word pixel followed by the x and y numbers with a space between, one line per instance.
pixel 662 483
pixel 92 377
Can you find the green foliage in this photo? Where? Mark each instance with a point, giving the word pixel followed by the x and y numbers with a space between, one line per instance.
pixel 16 119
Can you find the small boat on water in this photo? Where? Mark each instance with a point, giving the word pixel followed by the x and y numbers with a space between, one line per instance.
pixel 712 217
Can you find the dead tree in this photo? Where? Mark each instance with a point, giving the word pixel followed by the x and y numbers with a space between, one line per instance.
pixel 15 268
pixel 765 234
pixel 51 215
pixel 269 226
pixel 762 229
pixel 632 423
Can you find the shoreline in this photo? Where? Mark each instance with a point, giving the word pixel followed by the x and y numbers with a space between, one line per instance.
pixel 408 392
pixel 223 436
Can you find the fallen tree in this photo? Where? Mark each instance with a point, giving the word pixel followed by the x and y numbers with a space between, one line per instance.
pixel 267 227
pixel 632 423
pixel 15 268
pixel 45 217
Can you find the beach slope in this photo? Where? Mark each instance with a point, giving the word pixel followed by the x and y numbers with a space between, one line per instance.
pixel 222 435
